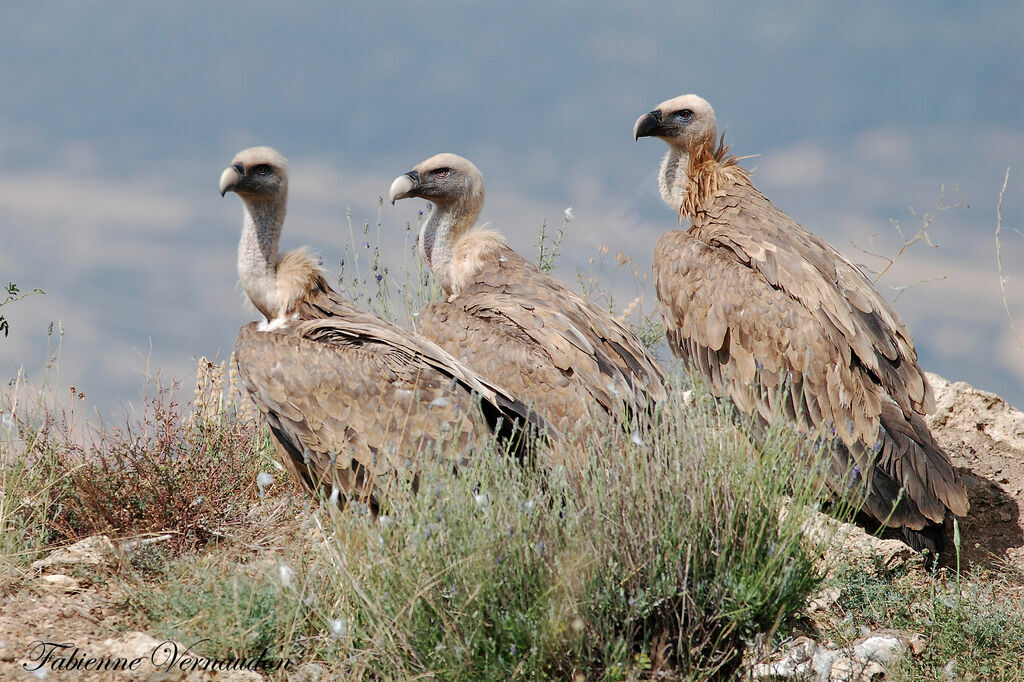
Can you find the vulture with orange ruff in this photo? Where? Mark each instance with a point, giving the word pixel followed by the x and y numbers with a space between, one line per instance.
pixel 779 321
pixel 556 350
pixel 351 399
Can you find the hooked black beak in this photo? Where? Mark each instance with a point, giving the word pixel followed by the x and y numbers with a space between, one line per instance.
pixel 647 125
pixel 404 186
pixel 231 177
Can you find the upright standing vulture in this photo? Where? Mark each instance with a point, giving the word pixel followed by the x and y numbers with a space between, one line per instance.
pixel 350 398
pixel 558 351
pixel 777 319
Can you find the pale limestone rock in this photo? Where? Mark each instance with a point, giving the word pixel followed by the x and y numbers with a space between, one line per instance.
pixel 96 550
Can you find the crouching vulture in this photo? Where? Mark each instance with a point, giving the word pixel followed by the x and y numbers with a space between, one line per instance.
pixel 779 321
pixel 556 350
pixel 351 399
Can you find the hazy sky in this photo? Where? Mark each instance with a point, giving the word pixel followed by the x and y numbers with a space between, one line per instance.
pixel 117 118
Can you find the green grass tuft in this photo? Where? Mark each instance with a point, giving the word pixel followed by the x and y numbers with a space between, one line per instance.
pixel 974 623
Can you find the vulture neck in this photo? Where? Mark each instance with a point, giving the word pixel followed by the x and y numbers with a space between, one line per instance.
pixel 257 252
pixel 689 179
pixel 673 178
pixel 445 225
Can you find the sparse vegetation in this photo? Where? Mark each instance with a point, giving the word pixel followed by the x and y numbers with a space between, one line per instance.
pixel 974 622
pixel 999 263
pixel 12 294
pixel 599 284
pixel 885 263
pixel 610 568
pixel 665 554
pixel 190 473
pixel 547 246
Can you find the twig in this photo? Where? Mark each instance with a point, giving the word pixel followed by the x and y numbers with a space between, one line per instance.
pixel 999 261
pixel 905 287
pixel 13 294
pixel 546 256
pixel 922 235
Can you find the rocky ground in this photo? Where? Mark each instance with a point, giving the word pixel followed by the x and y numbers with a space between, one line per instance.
pixel 73 595
pixel 985 438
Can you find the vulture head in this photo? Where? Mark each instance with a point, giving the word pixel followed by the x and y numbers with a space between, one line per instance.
pixel 443 179
pixel 255 173
pixel 685 122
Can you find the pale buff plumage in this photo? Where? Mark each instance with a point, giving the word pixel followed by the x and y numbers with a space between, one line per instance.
pixel 470 252
pixel 298 272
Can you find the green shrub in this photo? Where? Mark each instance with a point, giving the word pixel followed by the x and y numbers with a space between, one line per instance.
pixel 670 553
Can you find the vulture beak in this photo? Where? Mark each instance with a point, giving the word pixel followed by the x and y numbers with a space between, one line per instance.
pixel 230 178
pixel 647 125
pixel 403 186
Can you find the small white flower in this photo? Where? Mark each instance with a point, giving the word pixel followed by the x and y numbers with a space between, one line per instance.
pixel 338 627
pixel 263 481
pixel 287 574
pixel 637 440
pixel 569 217
pixel 481 499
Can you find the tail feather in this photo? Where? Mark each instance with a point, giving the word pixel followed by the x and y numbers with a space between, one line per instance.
pixel 909 455
pixel 517 425
pixel 930 538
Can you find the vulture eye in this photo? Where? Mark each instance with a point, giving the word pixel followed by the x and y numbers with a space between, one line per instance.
pixel 685 114
pixel 262 169
pixel 442 172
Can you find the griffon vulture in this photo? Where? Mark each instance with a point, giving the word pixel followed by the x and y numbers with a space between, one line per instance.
pixel 558 351
pixel 350 398
pixel 776 318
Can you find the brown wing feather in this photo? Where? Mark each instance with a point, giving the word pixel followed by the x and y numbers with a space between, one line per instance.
pixel 762 324
pixel 828 284
pixel 353 400
pixel 563 353
pixel 351 418
pixel 497 348
pixel 361 329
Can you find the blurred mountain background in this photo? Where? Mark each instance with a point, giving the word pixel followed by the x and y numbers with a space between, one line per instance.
pixel 117 118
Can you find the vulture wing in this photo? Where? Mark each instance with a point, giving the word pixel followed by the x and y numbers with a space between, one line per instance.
pixel 555 349
pixel 502 409
pixel 776 319
pixel 828 284
pixel 351 399
pixel 497 348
